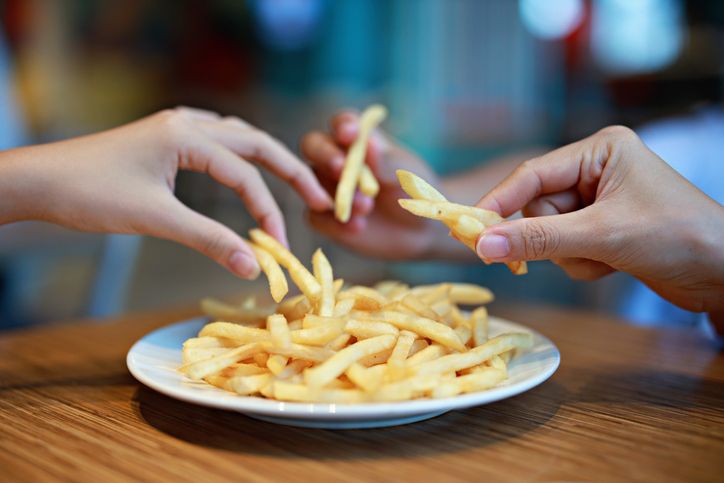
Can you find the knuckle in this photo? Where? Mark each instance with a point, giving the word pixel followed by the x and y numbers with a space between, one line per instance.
pixel 540 239
pixel 214 244
pixel 235 121
pixel 172 126
pixel 618 133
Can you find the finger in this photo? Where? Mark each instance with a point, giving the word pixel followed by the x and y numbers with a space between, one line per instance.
pixel 556 171
pixel 245 179
pixel 571 235
pixel 196 114
pixel 582 269
pixel 209 237
pixel 555 204
pixel 270 153
pixel 345 126
pixel 323 153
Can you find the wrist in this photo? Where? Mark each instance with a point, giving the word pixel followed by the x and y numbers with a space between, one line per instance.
pixel 21 193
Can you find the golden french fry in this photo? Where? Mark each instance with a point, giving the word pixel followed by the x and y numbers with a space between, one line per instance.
pixel 238 333
pixel 219 310
pixel 418 307
pixel 299 351
pixel 277 281
pixel 396 361
pixel 417 187
pixel 339 342
pixel 429 328
pixel 334 366
pixel 343 307
pixel 276 363
pixel 464 332
pixel 293 368
pixel 474 357
pixel 312 320
pixel 317 336
pixel 246 385
pixel 279 330
pixel 195 354
pixel 449 212
pixel 199 370
pixel 205 343
pixel 479 322
pixel 475 381
pixel 429 353
pixel 299 273
pixel 286 391
pixel 368 184
pixel 323 273
pixel 360 301
pixel 369 328
pixel 370 118
pixel 367 378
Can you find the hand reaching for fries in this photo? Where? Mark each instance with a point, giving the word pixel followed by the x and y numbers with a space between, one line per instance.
pixel 122 181
pixel 608 203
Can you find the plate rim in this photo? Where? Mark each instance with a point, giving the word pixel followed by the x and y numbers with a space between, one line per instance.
pixel 333 411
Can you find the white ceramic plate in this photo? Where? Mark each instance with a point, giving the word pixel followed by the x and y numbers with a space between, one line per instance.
pixel 153 360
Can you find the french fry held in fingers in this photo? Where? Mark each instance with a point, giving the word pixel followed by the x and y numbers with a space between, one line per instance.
pixel 466 223
pixel 355 172
pixel 351 345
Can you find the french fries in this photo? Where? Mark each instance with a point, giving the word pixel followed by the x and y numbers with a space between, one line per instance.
pixel 466 223
pixel 351 345
pixel 356 172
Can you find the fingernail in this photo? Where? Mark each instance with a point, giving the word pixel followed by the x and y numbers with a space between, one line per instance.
pixel 244 265
pixel 493 246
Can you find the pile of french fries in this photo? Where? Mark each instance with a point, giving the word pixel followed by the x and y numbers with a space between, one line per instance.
pixel 337 344
pixel 466 223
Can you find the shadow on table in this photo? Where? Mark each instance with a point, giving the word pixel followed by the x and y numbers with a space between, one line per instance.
pixel 451 432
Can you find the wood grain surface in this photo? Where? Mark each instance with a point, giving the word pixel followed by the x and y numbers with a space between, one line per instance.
pixel 627 404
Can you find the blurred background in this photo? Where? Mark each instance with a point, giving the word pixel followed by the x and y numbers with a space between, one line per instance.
pixel 466 81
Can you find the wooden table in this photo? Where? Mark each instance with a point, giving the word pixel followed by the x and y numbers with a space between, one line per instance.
pixel 626 404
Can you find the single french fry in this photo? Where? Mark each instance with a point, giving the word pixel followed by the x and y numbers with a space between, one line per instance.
pixel 366 378
pixel 464 332
pixel 287 391
pixel 360 301
pixel 396 361
pixel 475 381
pixel 277 281
pixel 247 385
pixel 293 368
pixel 199 370
pixel 317 336
pixel 334 366
pixel 195 354
pixel 279 330
pixel 276 363
pixel 343 307
pixel 479 322
pixel 299 273
pixel 429 328
pixel 312 320
pixel 238 333
pixel 364 329
pixel 417 187
pixel 299 351
pixel 339 342
pixel 418 307
pixel 368 184
pixel 323 273
pixel 429 353
pixel 370 118
pixel 219 310
pixel 474 357
pixel 205 342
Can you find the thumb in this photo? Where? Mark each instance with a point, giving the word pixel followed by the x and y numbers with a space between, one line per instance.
pixel 209 237
pixel 539 238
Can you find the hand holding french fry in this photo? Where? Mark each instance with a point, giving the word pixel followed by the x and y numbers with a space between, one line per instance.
pixel 377 227
pixel 607 203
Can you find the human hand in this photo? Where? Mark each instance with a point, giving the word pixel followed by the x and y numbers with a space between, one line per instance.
pixel 378 227
pixel 608 203
pixel 122 181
